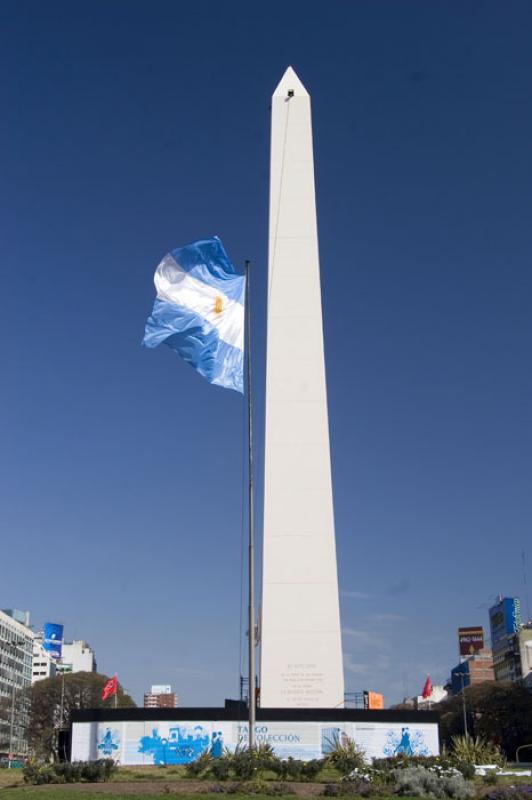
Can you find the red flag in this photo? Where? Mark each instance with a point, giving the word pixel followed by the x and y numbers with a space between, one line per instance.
pixel 427 689
pixel 110 688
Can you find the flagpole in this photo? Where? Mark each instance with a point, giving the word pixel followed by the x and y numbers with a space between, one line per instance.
pixel 251 547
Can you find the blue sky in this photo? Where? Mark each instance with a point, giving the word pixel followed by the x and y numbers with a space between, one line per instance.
pixel 130 128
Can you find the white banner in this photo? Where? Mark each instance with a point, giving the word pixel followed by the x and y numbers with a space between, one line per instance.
pixel 181 742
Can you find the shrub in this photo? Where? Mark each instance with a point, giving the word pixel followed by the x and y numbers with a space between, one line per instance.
pixel 401 761
pixel 63 772
pixel 220 768
pixel 38 773
pixel 422 782
pixel 331 790
pixel 259 787
pixel 311 769
pixel 293 769
pixel 475 750
pixel 345 756
pixel 351 788
pixel 522 791
pixel 199 767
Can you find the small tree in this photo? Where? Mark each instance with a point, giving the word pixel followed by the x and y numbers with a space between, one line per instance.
pixel 80 690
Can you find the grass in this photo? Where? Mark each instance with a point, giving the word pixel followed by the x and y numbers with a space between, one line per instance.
pixel 53 793
pixel 10 777
pixel 163 780
pixel 149 773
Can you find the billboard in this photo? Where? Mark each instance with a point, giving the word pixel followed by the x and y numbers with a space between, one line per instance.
pixel 505 619
pixel 470 640
pixel 373 700
pixel 165 742
pixel 53 639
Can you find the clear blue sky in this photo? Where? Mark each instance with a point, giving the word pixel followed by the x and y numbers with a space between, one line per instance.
pixel 129 128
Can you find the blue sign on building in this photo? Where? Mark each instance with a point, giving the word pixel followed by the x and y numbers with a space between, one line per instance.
pixel 53 639
pixel 505 620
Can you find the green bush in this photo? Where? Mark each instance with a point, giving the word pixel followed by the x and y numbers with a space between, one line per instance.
pixel 38 773
pixel 251 788
pixel 422 782
pixel 349 789
pixel 220 768
pixel 311 769
pixel 345 757
pixel 475 750
pixel 200 767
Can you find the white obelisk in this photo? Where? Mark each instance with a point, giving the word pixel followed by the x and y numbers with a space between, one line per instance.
pixel 301 650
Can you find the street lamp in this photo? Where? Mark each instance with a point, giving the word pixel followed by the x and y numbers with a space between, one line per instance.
pixel 463 676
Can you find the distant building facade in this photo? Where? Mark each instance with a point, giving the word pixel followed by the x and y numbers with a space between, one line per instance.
pixel 160 696
pixel 436 696
pixel 473 670
pixel 77 657
pixel 16 655
pixel 43 665
pixel 505 622
pixel 524 642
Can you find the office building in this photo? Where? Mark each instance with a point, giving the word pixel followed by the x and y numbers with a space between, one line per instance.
pixel 160 696
pixel 505 621
pixel 514 662
pixel 43 665
pixel 16 648
pixel 436 696
pixel 77 657
pixel 478 668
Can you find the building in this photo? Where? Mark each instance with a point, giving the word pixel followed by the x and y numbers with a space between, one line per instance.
pixel 436 696
pixel 478 668
pixel 43 665
pixel 505 621
pixel 524 644
pixel 77 657
pixel 160 697
pixel 515 661
pixel 16 649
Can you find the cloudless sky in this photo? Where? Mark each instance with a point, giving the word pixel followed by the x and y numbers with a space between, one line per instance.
pixel 130 128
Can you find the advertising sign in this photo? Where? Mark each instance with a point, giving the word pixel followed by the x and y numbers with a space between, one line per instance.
pixel 505 619
pixel 373 700
pixel 470 640
pixel 164 742
pixel 53 639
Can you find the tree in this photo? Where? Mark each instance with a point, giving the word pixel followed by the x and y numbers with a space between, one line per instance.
pixel 80 690
pixel 499 712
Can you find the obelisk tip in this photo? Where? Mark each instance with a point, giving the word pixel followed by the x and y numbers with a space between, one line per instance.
pixel 290 86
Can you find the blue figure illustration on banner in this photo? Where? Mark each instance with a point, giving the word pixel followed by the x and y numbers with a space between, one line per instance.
pixel 109 743
pixel 408 743
pixel 217 745
pixel 182 745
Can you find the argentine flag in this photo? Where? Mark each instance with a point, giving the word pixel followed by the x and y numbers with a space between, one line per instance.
pixel 199 311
